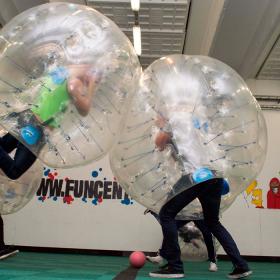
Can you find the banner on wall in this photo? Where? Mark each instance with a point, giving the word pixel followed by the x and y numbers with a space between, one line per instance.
pixel 94 186
pixel 97 184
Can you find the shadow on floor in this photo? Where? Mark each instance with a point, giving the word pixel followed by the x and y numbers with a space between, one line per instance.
pixel 128 274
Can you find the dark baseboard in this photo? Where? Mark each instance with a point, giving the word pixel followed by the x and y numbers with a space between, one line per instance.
pixel 125 253
pixel 70 251
pixel 254 258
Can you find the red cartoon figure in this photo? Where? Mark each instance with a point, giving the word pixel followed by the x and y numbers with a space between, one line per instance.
pixel 273 195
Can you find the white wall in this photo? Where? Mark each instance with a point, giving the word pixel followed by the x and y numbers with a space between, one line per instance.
pixel 257 230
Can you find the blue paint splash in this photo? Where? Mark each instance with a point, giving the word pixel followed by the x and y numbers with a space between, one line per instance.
pixel 46 172
pixel 95 201
pixel 126 201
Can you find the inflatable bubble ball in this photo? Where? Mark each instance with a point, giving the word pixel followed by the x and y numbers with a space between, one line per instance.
pixel 192 117
pixel 67 73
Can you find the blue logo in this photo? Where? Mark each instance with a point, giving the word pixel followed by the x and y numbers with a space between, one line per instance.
pixel 30 134
pixel 202 174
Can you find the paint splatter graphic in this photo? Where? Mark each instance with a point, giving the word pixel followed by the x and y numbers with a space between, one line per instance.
pixel 42 198
pixel 94 201
pixel 126 201
pixel 49 174
pixel 68 199
pixel 97 200
pixel 94 191
pixel 47 171
pixel 94 173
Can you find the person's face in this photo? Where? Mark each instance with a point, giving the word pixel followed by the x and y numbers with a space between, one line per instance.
pixel 274 189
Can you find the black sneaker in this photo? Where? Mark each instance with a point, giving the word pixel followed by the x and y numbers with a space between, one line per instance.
pixel 167 272
pixel 7 251
pixel 239 273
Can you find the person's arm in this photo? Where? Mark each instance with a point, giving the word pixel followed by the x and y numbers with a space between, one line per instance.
pixel 162 139
pixel 81 86
pixel 164 135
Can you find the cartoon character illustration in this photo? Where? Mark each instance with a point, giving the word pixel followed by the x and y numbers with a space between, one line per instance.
pixel 256 194
pixel 257 198
pixel 273 195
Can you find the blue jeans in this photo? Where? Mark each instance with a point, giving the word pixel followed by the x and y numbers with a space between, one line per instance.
pixel 208 239
pixel 209 195
pixel 207 236
pixel 22 161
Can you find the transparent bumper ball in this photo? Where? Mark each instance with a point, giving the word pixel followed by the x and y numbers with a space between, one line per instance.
pixel 66 75
pixel 192 243
pixel 192 117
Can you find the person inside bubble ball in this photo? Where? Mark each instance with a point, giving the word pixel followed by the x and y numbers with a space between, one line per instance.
pixel 64 84
pixel 61 82
pixel 53 86
pixel 209 194
pixel 207 236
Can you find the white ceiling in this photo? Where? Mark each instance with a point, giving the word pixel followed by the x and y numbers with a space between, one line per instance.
pixel 243 34
pixel 270 70
pixel 163 24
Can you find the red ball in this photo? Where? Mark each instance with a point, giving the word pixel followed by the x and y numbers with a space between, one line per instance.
pixel 137 259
